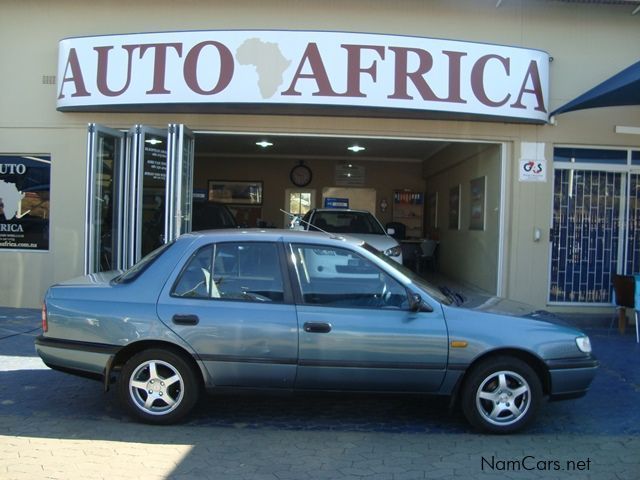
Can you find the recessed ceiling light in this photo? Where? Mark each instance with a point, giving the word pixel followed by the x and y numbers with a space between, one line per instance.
pixel 264 144
pixel 355 148
pixel 153 141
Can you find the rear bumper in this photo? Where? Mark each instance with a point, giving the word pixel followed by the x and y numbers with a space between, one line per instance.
pixel 571 378
pixel 85 359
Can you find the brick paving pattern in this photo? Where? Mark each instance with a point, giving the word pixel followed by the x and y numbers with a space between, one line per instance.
pixel 56 426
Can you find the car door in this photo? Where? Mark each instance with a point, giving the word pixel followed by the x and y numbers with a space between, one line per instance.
pixel 356 329
pixel 233 305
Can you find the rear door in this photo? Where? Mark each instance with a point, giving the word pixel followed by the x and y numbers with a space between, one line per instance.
pixel 232 303
pixel 356 329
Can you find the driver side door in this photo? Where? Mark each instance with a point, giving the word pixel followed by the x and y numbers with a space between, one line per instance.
pixel 356 329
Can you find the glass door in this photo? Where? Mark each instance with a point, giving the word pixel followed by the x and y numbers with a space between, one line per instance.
pixel 106 180
pixel 147 154
pixel 179 201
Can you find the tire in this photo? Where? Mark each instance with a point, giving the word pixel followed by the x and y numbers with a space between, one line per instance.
pixel 158 386
pixel 501 395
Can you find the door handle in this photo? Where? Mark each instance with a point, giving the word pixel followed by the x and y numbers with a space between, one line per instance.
pixel 317 327
pixel 185 319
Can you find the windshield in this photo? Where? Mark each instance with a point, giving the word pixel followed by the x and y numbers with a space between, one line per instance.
pixel 432 290
pixel 347 222
pixel 133 272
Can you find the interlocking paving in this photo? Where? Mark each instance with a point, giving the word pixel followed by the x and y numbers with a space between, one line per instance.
pixel 58 426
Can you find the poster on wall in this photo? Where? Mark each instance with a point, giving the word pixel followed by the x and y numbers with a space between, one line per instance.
pixel 454 208
pixel 24 202
pixel 476 203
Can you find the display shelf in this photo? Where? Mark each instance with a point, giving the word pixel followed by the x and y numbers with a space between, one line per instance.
pixel 408 208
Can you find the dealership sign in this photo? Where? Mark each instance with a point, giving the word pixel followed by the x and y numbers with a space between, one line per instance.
pixel 202 70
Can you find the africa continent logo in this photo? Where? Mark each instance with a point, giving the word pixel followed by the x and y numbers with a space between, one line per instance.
pixel 269 62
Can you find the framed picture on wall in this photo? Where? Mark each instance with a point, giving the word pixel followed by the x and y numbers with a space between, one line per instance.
pixel 477 196
pixel 235 192
pixel 454 208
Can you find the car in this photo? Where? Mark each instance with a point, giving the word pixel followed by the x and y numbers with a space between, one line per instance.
pixel 292 310
pixel 211 215
pixel 357 223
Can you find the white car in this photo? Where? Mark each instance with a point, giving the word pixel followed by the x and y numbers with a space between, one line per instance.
pixel 360 224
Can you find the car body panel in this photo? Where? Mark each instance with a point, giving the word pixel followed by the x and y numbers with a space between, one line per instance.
pixel 369 349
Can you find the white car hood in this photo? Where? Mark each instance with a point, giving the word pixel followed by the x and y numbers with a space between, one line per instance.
pixel 379 242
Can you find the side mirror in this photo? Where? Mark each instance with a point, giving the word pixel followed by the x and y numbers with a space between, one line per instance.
pixel 391 231
pixel 415 302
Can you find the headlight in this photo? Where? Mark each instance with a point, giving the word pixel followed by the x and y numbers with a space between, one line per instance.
pixel 393 252
pixel 584 344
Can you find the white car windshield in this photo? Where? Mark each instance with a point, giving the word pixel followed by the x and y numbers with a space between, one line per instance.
pixel 347 222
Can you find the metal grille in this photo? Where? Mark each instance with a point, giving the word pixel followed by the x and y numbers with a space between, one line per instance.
pixel 633 237
pixel 585 235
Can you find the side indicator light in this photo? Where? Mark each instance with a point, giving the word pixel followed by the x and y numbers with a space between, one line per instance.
pixel 45 324
pixel 459 344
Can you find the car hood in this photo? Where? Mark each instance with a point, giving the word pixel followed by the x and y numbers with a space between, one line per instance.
pixel 513 308
pixel 379 242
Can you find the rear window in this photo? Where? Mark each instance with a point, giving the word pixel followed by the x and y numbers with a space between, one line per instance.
pixel 135 271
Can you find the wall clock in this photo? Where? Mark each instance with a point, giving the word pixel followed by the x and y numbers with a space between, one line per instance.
pixel 300 175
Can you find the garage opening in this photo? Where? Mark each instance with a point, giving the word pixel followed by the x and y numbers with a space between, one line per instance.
pixel 446 191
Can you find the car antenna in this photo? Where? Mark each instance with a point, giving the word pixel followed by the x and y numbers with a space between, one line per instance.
pixel 294 216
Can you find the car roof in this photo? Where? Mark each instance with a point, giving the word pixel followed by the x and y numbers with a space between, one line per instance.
pixel 345 210
pixel 271 234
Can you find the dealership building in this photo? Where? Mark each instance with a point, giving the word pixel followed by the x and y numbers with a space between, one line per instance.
pixel 506 130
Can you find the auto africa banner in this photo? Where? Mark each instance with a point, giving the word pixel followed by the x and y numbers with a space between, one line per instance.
pixel 24 202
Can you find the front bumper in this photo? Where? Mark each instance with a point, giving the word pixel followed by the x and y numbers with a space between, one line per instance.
pixel 571 378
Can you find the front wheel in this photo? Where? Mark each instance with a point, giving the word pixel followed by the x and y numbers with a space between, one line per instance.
pixel 501 395
pixel 158 386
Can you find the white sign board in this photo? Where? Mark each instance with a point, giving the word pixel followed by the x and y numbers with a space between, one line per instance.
pixel 199 70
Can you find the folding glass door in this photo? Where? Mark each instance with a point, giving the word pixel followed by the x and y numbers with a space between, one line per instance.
pixel 139 192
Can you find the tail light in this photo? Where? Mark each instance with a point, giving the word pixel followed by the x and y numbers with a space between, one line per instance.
pixel 45 325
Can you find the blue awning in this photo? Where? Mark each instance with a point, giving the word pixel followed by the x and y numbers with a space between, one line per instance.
pixel 620 90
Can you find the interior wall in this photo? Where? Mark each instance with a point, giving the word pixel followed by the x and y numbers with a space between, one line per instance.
pixel 383 176
pixel 470 256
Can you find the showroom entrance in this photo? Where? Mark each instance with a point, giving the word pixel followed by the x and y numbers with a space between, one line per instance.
pixel 144 183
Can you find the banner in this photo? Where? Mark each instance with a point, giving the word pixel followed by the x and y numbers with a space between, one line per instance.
pixel 24 202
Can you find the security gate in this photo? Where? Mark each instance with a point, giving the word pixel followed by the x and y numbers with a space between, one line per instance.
pixel 596 207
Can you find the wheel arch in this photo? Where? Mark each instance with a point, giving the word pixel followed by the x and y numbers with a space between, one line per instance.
pixel 535 362
pixel 125 353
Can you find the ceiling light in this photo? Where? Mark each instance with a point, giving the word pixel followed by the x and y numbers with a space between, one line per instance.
pixel 355 148
pixel 153 141
pixel 264 144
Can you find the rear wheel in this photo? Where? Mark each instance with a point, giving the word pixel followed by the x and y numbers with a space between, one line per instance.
pixel 158 386
pixel 501 395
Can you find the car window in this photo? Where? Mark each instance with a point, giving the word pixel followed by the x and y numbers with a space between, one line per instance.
pixel 338 277
pixel 347 222
pixel 425 285
pixel 247 271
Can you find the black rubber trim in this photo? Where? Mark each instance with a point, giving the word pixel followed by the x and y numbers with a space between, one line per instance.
pixel 90 347
pixel 322 363
pixel 570 363
pixel 237 359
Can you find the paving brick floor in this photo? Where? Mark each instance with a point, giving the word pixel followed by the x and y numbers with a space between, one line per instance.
pixel 58 426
